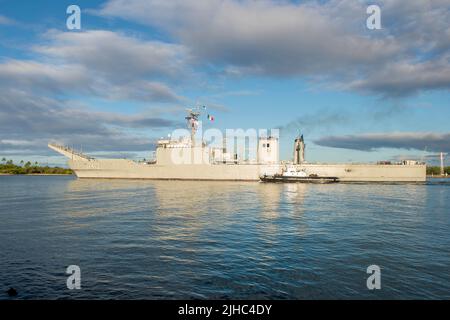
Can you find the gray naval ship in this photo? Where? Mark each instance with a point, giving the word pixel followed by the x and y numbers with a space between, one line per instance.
pixel 186 159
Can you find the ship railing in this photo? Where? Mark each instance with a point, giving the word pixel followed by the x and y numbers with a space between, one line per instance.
pixel 71 151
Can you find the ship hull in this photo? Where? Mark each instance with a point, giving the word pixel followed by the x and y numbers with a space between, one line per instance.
pixel 127 169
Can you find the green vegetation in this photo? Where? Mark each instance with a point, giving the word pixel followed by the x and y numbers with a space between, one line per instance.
pixel 436 171
pixel 8 167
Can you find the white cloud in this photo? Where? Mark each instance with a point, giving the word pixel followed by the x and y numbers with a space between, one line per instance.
pixel 36 75
pixel 402 78
pixel 35 95
pixel 435 142
pixel 325 40
pixel 16 142
pixel 103 64
pixel 6 21
pixel 29 121
pixel 113 55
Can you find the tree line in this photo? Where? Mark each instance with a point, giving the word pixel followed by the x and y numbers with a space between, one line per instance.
pixel 436 171
pixel 9 167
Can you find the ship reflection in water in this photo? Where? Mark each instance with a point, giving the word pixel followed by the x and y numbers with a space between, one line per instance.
pixel 181 239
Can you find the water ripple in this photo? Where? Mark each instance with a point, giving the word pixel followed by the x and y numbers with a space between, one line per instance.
pixel 199 240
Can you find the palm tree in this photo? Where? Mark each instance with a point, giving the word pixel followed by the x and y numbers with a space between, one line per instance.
pixel 21 162
pixel 4 160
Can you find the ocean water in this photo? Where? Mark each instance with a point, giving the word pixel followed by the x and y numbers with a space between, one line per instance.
pixel 226 240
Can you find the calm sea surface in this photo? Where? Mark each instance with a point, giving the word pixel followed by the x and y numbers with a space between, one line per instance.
pixel 196 240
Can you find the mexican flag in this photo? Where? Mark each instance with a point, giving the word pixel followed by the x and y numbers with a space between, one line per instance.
pixel 210 117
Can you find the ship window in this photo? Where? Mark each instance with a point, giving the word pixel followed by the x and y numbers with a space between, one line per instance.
pixel 264 145
pixel 268 145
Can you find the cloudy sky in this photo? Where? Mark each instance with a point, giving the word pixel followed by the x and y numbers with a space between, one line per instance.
pixel 122 81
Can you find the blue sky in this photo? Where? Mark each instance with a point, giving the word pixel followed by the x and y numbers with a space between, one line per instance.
pixel 124 79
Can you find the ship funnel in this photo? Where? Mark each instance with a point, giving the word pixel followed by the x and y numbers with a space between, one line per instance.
pixel 299 150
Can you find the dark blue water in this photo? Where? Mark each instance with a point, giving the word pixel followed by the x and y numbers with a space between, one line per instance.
pixel 162 239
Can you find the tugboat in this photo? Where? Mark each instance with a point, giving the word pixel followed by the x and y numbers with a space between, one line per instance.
pixel 290 174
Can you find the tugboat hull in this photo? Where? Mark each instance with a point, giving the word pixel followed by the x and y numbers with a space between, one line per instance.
pixel 317 180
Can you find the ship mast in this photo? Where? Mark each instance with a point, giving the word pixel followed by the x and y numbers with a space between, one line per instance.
pixel 192 123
